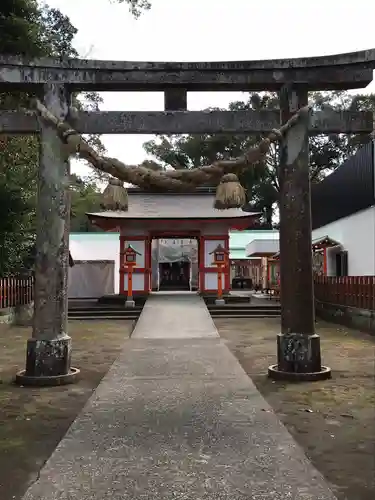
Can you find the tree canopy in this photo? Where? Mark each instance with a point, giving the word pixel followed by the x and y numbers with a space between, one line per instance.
pixel 32 30
pixel 136 7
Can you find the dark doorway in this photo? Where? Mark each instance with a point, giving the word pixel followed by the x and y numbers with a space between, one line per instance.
pixel 174 276
pixel 342 264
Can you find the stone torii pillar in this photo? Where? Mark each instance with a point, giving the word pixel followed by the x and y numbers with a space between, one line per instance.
pixel 49 350
pixel 298 346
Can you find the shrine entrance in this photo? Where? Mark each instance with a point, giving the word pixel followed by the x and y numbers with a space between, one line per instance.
pixel 174 264
pixel 174 276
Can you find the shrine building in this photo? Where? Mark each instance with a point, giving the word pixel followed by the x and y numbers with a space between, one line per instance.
pixel 155 221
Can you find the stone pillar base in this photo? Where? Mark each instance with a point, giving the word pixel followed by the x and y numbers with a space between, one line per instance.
pixel 129 303
pixel 48 363
pixel 298 358
pixel 219 302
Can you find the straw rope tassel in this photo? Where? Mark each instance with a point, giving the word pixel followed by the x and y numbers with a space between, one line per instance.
pixel 229 193
pixel 115 196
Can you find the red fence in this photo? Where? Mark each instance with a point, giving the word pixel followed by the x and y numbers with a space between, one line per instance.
pixel 353 291
pixel 16 291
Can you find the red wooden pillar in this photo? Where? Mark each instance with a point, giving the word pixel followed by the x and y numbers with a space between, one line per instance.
pixel 201 273
pixel 148 265
pixel 325 267
pixel 122 290
pixel 227 282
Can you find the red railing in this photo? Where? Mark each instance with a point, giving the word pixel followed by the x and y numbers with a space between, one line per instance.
pixel 353 291
pixel 15 291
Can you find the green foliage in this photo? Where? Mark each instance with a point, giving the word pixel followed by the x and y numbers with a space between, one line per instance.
pixel 20 28
pixel 136 7
pixel 261 182
pixel 85 197
pixel 18 158
pixel 33 31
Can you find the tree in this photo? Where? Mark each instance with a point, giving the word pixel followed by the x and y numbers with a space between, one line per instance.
pixel 136 7
pixel 261 183
pixel 33 31
pixel 20 28
pixel 85 197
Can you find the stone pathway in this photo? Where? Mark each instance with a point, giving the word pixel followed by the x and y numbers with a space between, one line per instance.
pixel 167 315
pixel 176 417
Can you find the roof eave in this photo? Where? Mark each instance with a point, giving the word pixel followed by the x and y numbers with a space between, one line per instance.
pixel 245 215
pixel 325 242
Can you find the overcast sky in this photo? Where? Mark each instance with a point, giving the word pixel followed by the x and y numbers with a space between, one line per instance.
pixel 210 30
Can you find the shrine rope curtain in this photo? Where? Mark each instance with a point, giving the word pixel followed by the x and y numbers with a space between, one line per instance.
pixel 168 251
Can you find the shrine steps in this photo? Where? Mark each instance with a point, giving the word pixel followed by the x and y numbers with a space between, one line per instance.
pixel 243 306
pixel 101 312
pixel 121 314
pixel 244 311
pixel 112 308
pixel 174 288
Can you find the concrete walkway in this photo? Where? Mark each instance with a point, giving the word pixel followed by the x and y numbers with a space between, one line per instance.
pixel 176 417
pixel 167 315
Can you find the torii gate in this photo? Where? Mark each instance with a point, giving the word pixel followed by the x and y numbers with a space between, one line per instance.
pixel 54 80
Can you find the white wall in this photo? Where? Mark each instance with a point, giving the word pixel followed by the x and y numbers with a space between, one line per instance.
pixel 356 234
